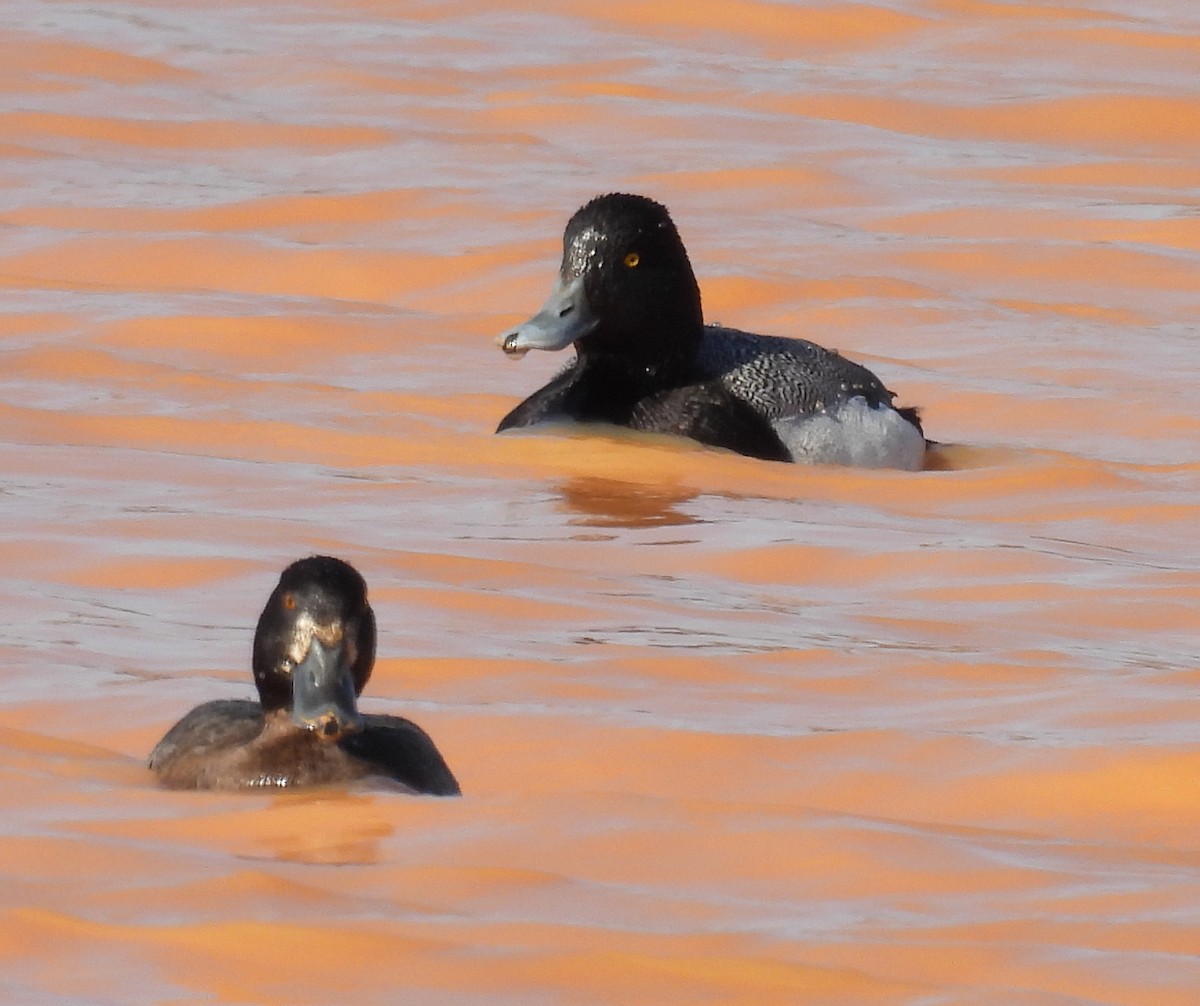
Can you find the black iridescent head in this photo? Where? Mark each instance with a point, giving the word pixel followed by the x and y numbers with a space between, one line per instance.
pixel 625 286
pixel 315 645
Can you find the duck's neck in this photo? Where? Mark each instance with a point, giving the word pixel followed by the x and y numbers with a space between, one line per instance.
pixel 654 349
pixel 637 373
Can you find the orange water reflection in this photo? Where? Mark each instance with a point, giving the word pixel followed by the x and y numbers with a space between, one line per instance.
pixel 727 731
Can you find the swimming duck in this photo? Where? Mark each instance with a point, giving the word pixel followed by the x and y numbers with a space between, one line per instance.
pixel 313 653
pixel 627 298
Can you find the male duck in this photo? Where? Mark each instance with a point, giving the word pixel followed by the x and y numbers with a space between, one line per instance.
pixel 627 298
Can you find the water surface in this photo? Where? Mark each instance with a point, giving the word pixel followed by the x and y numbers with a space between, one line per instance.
pixel 729 732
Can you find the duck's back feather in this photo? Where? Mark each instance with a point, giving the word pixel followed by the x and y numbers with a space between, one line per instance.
pixel 780 377
pixel 401 750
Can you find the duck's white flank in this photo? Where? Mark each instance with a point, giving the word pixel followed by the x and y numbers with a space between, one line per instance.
pixel 853 434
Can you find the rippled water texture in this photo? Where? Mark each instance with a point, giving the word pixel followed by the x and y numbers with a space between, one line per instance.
pixel 729 732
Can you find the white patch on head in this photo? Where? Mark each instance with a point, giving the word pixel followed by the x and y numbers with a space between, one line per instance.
pixel 853 434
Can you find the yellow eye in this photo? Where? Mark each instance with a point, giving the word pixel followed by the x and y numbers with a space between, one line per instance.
pixel 289 601
pixel 632 259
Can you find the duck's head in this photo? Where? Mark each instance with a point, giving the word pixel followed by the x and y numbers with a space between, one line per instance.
pixel 625 287
pixel 315 646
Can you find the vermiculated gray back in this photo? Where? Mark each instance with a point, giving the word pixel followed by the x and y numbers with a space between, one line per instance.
pixel 785 377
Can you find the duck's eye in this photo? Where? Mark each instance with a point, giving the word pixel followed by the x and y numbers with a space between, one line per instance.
pixel 632 259
pixel 289 601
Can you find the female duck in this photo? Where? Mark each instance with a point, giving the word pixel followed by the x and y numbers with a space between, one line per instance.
pixel 628 300
pixel 313 653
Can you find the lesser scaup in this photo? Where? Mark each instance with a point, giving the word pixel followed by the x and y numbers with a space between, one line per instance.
pixel 627 298
pixel 313 653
